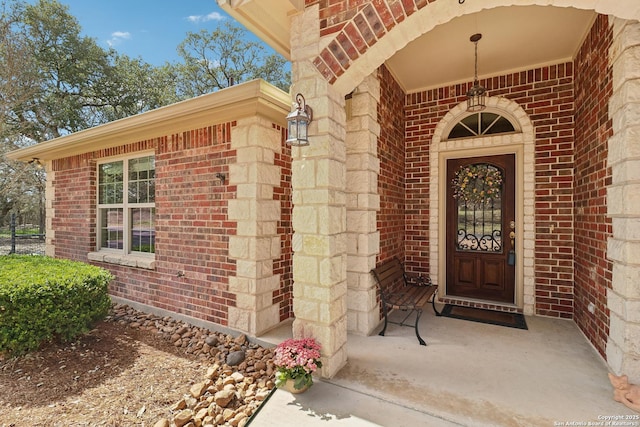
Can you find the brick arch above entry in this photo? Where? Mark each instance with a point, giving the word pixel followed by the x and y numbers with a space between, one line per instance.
pixel 390 25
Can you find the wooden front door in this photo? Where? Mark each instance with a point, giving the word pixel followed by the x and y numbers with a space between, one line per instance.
pixel 481 228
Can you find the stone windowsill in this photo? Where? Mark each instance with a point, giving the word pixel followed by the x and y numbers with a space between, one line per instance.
pixel 128 260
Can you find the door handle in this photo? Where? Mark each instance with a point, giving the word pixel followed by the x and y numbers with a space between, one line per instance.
pixel 511 256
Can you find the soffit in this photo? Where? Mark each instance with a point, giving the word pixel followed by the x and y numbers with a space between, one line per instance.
pixel 513 38
pixel 269 20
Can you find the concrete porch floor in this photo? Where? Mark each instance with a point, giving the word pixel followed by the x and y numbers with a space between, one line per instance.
pixel 469 374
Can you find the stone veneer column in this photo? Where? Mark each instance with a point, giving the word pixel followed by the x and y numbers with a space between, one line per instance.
pixel 363 202
pixel 319 210
pixel 256 244
pixel 623 200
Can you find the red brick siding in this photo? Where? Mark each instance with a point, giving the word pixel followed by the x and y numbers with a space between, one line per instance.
pixel 283 266
pixel 192 228
pixel 192 224
pixel 546 94
pixel 358 25
pixel 75 219
pixel 334 14
pixel 391 181
pixel 592 176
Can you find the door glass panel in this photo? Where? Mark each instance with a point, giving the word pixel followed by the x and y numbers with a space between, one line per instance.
pixel 477 189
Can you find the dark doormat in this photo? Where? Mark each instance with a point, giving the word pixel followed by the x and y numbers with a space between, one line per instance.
pixel 500 318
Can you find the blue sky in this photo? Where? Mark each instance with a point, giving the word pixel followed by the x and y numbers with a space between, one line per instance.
pixel 151 29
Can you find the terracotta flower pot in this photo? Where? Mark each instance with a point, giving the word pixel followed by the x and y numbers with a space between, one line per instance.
pixel 289 386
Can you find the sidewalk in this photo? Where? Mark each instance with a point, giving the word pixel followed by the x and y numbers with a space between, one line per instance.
pixel 330 404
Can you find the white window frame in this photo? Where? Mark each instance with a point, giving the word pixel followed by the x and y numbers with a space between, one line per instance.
pixel 124 256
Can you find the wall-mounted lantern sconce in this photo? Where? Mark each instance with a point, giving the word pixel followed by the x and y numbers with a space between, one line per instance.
pixel 222 177
pixel 298 123
pixel 36 162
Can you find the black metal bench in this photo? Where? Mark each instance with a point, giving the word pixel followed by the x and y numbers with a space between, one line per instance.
pixel 401 292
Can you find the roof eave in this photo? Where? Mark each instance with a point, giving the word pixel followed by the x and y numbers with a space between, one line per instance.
pixel 270 21
pixel 256 97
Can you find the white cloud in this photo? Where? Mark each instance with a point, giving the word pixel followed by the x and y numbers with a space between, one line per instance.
pixel 117 37
pixel 213 16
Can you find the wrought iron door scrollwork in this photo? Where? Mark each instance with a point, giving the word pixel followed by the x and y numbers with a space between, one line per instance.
pixel 485 243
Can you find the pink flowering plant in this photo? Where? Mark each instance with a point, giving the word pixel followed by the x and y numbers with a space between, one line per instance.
pixel 297 359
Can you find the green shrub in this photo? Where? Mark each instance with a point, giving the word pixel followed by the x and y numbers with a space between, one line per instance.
pixel 42 299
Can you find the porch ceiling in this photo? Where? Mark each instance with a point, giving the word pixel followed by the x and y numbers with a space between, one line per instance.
pixel 513 38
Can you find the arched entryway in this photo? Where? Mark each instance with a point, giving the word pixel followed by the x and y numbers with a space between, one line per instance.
pixel 321 262
pixel 520 143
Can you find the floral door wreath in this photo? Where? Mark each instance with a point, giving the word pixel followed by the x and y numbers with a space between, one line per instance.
pixel 477 183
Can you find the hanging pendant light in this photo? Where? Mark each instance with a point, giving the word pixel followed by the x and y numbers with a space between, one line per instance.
pixel 476 95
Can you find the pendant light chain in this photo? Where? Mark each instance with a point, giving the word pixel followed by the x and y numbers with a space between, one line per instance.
pixel 475 79
pixel 476 95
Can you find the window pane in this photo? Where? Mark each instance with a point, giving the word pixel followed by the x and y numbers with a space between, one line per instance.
pixel 141 179
pixel 143 234
pixel 481 124
pixel 501 125
pixel 460 131
pixel 111 228
pixel 110 183
pixel 472 122
pixel 486 119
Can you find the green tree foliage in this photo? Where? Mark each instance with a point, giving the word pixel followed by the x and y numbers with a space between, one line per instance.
pixel 80 84
pixel 223 57
pixel 54 81
pixel 21 186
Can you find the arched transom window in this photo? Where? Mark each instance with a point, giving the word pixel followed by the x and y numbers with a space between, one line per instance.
pixel 481 124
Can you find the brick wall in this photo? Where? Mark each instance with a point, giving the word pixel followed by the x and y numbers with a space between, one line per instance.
pixel 283 266
pixel 192 225
pixel 391 181
pixel 357 25
pixel 546 94
pixel 192 228
pixel 75 220
pixel 592 176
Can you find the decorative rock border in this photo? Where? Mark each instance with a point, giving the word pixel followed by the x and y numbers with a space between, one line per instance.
pixel 239 380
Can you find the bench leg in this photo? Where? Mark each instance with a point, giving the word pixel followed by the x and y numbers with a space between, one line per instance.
pixel 433 304
pixel 420 340
pixel 384 329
